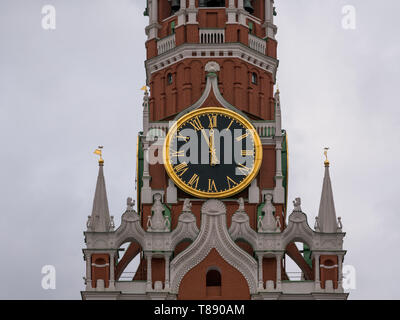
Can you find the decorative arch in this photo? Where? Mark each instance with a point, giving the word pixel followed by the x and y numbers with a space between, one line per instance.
pixel 213 235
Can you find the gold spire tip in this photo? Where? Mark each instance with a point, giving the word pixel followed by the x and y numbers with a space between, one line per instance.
pixel 99 152
pixel 326 162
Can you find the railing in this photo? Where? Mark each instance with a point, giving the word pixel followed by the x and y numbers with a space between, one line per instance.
pixel 257 44
pixel 212 36
pixel 157 127
pixel 265 129
pixel 166 44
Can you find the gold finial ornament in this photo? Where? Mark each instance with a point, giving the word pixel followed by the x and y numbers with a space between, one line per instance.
pixel 326 162
pixel 145 89
pixel 99 152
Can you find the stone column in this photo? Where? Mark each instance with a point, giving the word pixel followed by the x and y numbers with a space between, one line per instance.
pixel 112 272
pixel 260 271
pixel 153 11
pixel 242 12
pixel 278 272
pixel 317 280
pixel 268 12
pixel 88 271
pixel 149 281
pixel 192 13
pixel 182 14
pixel 146 190
pixel 340 272
pixel 166 285
pixel 279 191
pixel 231 12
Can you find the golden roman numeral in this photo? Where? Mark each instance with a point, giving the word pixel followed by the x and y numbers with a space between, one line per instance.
pixel 177 153
pixel 230 125
pixel 211 186
pixel 243 136
pixel 246 153
pixel 231 181
pixel 182 138
pixel 180 169
pixel 213 120
pixel 196 123
pixel 245 170
pixel 194 181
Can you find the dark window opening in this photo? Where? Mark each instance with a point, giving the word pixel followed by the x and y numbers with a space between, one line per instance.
pixel 213 278
pixel 211 3
pixel 175 6
pixel 169 78
pixel 248 6
pixel 254 78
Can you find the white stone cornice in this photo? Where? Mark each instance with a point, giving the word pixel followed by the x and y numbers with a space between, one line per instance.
pixel 229 50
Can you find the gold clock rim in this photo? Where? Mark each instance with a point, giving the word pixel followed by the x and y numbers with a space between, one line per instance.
pixel 223 194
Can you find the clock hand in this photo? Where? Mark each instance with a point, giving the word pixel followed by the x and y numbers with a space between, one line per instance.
pixel 205 137
pixel 214 159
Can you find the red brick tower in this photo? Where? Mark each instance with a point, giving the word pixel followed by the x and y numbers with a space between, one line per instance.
pixel 206 234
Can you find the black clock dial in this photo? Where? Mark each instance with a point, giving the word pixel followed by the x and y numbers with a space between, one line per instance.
pixel 212 153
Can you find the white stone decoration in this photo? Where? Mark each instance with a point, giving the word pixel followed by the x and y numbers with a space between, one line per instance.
pixel 158 222
pixel 213 234
pixel 268 222
pixel 212 66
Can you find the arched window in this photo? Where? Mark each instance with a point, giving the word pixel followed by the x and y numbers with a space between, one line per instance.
pixel 213 282
pixel 213 278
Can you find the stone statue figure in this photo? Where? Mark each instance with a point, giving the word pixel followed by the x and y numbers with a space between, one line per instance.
pixel 112 223
pixel 129 204
pixel 241 205
pixel 316 226
pixel 158 222
pixel 297 205
pixel 89 222
pixel 187 206
pixel 268 222
pixel 339 224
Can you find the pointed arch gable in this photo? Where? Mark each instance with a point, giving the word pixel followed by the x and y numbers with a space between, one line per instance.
pixel 213 235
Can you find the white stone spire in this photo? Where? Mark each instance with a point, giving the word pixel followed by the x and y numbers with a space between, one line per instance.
pixel 327 221
pixel 100 220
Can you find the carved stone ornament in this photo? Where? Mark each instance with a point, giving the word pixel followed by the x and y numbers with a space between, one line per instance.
pixel 212 66
pixel 158 222
pixel 268 222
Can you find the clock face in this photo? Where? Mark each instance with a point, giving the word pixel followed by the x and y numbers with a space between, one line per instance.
pixel 212 153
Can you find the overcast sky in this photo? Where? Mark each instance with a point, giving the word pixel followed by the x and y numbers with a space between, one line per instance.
pixel 63 92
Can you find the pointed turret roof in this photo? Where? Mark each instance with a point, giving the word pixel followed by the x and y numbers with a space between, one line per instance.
pixel 327 215
pixel 100 219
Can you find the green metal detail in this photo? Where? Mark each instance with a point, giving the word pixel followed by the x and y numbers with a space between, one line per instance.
pixel 259 212
pixel 251 27
pixel 285 166
pixel 172 27
pixel 146 10
pixel 275 13
pixel 307 254
pixel 167 214
pixel 139 174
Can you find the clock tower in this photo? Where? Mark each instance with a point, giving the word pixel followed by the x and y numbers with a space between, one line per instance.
pixel 211 220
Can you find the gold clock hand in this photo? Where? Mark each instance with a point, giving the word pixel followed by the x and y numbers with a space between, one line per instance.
pixel 205 137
